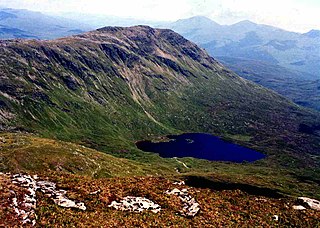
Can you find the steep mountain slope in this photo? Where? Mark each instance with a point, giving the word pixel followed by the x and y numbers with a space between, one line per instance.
pixel 292 84
pixel 15 23
pixel 110 87
pixel 253 41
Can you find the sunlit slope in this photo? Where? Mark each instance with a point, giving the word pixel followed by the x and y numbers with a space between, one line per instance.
pixel 110 87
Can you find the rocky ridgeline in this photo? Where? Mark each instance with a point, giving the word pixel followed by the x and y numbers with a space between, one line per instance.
pixel 25 208
pixel 135 204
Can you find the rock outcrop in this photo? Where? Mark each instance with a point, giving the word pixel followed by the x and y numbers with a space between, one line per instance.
pixel 25 208
pixel 190 205
pixel 59 196
pixel 309 203
pixel 135 204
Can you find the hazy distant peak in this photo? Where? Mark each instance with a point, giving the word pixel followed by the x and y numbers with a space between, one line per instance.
pixel 245 23
pixel 199 21
pixel 312 33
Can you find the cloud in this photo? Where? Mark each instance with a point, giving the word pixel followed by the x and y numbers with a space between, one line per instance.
pixel 296 15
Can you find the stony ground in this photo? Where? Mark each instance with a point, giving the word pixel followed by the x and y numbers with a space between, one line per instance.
pixel 218 208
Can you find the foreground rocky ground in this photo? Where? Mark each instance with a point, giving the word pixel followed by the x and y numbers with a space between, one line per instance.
pixel 170 201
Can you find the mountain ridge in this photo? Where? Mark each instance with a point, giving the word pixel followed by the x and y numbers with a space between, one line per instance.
pixel 61 88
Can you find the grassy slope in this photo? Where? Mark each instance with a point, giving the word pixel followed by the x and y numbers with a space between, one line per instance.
pixel 28 153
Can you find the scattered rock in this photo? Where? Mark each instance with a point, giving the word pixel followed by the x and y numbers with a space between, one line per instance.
pixel 260 199
pixel 298 207
pixel 309 203
pixel 135 204
pixel 95 192
pixel 190 205
pixel 179 183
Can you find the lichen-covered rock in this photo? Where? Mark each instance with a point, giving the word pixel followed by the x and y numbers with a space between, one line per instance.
pixel 135 204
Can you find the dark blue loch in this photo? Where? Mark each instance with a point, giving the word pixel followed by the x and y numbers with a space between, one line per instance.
pixel 200 145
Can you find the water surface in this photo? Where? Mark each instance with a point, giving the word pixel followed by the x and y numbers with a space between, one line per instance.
pixel 200 145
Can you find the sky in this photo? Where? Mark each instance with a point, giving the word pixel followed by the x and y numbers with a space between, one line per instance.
pixel 292 15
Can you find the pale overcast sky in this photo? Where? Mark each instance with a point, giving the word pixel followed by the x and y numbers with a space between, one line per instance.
pixel 293 15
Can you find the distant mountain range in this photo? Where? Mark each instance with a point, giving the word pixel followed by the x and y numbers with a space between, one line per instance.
pixel 248 40
pixel 16 23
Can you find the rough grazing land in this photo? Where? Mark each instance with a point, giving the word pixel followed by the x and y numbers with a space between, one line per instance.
pixel 219 208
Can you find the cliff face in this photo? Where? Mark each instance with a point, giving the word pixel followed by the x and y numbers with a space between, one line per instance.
pixel 114 85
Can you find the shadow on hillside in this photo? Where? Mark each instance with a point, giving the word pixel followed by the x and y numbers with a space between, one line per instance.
pixel 202 182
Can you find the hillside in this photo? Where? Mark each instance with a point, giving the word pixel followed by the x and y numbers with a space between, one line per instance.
pixel 295 85
pixel 219 207
pixel 28 153
pixel 107 88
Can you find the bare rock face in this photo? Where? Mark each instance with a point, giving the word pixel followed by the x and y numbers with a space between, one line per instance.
pixel 135 204
pixel 309 203
pixel 190 205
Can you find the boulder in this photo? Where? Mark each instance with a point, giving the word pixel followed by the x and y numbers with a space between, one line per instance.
pixel 135 204
pixel 309 203
pixel 298 207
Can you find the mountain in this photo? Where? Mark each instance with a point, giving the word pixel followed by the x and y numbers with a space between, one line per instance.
pixel 15 23
pixel 110 87
pixel 313 34
pixel 292 84
pixel 72 109
pixel 248 40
